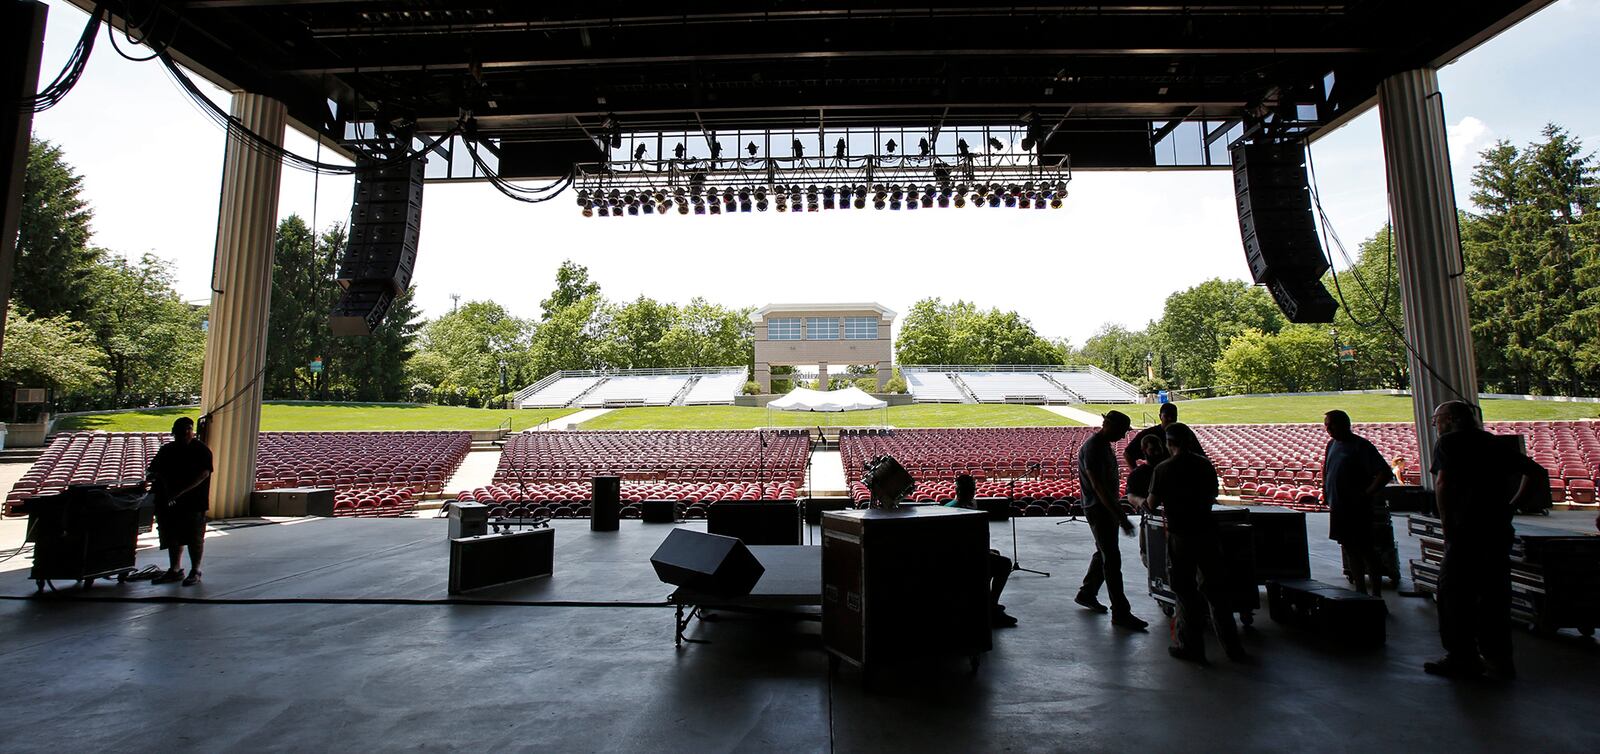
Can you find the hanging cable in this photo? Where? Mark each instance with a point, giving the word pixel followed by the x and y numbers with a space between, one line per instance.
pixel 52 94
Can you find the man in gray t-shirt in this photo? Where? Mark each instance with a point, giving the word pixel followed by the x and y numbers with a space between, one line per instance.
pixel 1098 481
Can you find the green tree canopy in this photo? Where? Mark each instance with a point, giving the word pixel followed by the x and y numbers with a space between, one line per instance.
pixel 53 252
pixel 1373 322
pixel 1298 358
pixel 572 285
pixel 52 352
pixel 933 332
pixel 1198 324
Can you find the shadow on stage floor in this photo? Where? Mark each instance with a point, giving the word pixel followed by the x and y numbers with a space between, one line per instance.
pixel 272 664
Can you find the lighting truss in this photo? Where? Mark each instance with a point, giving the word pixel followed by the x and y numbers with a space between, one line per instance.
pixel 705 186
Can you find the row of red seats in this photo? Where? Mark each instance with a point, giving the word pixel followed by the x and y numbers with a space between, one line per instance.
pixel 680 456
pixel 374 502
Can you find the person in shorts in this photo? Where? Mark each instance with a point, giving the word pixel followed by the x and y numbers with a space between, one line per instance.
pixel 180 479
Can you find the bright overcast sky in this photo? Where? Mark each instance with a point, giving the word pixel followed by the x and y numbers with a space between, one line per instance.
pixel 152 166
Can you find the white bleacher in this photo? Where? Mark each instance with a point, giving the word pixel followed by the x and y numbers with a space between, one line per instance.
pixel 559 393
pixel 713 389
pixel 997 387
pixel 932 387
pixel 1095 388
pixel 639 390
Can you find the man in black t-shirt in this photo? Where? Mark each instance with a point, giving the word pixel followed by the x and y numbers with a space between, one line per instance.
pixel 1134 452
pixel 1097 481
pixel 1476 477
pixel 1184 487
pixel 1353 473
pixel 180 478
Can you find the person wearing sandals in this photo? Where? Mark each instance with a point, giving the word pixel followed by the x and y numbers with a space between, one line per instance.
pixel 180 479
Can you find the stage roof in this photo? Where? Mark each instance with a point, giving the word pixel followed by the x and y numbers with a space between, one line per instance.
pixel 1113 82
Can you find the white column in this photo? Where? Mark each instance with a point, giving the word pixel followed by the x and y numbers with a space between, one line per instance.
pixel 1427 248
pixel 241 282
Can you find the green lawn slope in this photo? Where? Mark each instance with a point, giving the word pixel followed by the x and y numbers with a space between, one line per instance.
pixel 301 417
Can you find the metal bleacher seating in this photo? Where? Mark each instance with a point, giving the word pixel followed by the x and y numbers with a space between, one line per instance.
pixel 714 389
pixel 932 387
pixel 1014 387
pixel 638 390
pixel 1096 388
pixel 560 392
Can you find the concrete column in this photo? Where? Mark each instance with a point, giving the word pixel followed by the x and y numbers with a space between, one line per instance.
pixel 822 376
pixel 763 377
pixel 1427 248
pixel 21 44
pixel 241 282
pixel 885 372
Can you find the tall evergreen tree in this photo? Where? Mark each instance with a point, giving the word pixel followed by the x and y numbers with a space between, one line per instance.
pixel 53 253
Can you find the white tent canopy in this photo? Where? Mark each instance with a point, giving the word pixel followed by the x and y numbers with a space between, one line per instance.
pixel 805 399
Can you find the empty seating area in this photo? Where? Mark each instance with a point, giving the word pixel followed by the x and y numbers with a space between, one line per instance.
pixel 655 455
pixel 372 473
pixel 932 387
pixel 1014 387
pixel 560 392
pixel 716 389
pixel 1096 387
pixel 941 454
pixel 573 499
pixel 635 390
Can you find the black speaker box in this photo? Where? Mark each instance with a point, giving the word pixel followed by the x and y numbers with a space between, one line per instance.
pixel 997 508
pixel 756 523
pixel 293 501
pixel 1303 300
pixel 659 511
pixel 468 520
pixel 361 309
pixel 1273 199
pixel 707 563
pixel 385 226
pixel 606 511
pixel 493 559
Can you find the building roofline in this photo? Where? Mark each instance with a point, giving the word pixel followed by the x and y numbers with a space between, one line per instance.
pixel 883 311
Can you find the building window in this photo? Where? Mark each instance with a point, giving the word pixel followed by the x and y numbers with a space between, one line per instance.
pixel 860 328
pixel 822 328
pixel 784 328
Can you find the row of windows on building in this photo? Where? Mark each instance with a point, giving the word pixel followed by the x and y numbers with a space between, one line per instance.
pixel 823 328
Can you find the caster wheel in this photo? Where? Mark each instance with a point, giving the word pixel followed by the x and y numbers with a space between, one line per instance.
pixel 1249 619
pixel 1167 610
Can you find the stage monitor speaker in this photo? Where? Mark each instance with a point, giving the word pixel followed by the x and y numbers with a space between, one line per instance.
pixel 659 511
pixel 494 559
pixel 1276 224
pixel 606 510
pixel 361 309
pixel 756 522
pixel 1303 300
pixel 468 520
pixel 385 226
pixel 708 563
pixel 293 501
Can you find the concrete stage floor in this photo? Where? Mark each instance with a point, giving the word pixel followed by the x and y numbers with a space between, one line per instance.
pixel 250 674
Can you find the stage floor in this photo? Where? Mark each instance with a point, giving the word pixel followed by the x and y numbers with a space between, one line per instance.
pixel 260 668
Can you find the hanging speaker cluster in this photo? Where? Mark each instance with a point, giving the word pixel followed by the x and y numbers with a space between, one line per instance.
pixel 385 224
pixel 1279 229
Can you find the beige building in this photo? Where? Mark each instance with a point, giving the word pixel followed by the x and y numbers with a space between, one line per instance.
pixel 822 334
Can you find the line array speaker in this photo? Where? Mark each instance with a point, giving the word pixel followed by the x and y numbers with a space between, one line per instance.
pixel 381 252
pixel 1279 231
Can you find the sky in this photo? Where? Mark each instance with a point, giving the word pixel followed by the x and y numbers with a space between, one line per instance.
pixel 1124 240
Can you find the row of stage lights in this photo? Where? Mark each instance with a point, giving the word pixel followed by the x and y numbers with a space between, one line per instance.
pixel 708 201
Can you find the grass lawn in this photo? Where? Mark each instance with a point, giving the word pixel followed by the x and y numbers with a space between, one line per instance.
pixel 1362 408
pixel 299 417
pixel 742 417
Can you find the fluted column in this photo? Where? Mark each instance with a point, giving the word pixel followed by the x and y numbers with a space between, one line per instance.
pixel 1427 243
pixel 241 282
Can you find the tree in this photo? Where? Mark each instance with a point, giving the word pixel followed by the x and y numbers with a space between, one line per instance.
pixel 709 335
pixel 1197 325
pixel 572 285
pixel 152 340
pixel 637 330
pixel 925 335
pixel 1298 358
pixel 573 337
pixel 303 292
pixel 53 252
pixel 373 367
pixel 958 333
pixel 1369 319
pixel 486 348
pixel 1120 351
pixel 51 352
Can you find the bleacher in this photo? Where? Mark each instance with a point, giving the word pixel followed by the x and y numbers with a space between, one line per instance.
pixel 372 473
pixel 560 392
pixel 1014 387
pixel 1096 386
pixel 716 389
pixel 932 387
pixel 635 390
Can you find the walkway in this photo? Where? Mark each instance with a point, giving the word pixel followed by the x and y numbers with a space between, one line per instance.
pixel 476 470
pixel 1076 414
pixel 827 474
pixel 571 421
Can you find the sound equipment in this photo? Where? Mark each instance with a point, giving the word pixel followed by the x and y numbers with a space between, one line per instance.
pixel 1408 498
pixel 1554 581
pixel 660 511
pixel 708 563
pixel 888 481
pixel 83 533
pixel 385 223
pixel 905 583
pixel 996 508
pixel 1338 614
pixel 1281 550
pixel 468 520
pixel 816 506
pixel 605 512
pixel 1235 537
pixel 1302 301
pixel 293 501
pixel 361 308
pixel 756 523
pixel 494 559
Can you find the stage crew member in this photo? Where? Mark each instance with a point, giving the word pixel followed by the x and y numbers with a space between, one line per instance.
pixel 1184 487
pixel 1476 476
pixel 180 478
pixel 999 565
pixel 1353 473
pixel 1134 452
pixel 1098 481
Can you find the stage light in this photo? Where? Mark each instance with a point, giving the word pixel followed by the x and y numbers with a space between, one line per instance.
pixel 588 210
pixel 960 200
pixel 661 196
pixel 890 146
pixel 603 211
pixel 583 196
pixel 895 192
pixel 839 148
pixel 1038 203
pixel 678 151
pixel 927 200
pixel 1029 191
pixel 751 148
pixel 638 154
pixel 700 209
pixel 648 207
pixel 683 209
pixel 861 202
pixel 994 200
pixel 996 145
pixel 761 204
pixel 714 208
pixel 894 204
pixel 678 193
pixel 924 147
pixel 877 202
pixel 633 199
pixel 1011 200
pixel 633 209
pixel 783 203
pixel 1055 202
pixel 962 148
pixel 745 205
